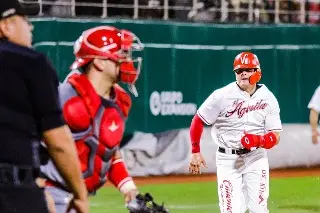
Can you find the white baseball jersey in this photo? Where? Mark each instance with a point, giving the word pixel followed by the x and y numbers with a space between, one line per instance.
pixel 233 112
pixel 315 101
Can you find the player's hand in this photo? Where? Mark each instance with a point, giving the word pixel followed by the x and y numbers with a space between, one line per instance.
pixel 195 164
pixel 131 195
pixel 50 202
pixel 249 141
pixel 79 205
pixel 315 135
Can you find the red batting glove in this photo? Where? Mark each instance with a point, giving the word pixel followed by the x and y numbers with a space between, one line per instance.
pixel 269 140
pixel 266 141
pixel 249 141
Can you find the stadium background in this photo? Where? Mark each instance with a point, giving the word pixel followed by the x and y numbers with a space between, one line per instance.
pixel 187 55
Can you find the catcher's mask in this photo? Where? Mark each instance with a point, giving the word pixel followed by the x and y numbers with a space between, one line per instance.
pixel 107 42
pixel 248 60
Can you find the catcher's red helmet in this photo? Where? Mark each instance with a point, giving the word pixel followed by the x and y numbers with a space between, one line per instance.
pixel 248 60
pixel 108 42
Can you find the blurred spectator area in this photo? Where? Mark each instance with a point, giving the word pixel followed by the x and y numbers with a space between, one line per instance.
pixel 216 11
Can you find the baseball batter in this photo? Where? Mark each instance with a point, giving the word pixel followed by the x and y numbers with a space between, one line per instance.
pixel 245 119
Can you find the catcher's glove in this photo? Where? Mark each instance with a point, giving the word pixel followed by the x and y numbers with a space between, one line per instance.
pixel 145 204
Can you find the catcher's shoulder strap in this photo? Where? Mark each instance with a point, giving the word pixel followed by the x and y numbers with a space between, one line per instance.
pixel 87 93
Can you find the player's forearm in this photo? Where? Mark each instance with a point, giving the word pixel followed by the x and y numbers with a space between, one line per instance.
pixel 196 129
pixel 119 175
pixel 61 148
pixel 313 119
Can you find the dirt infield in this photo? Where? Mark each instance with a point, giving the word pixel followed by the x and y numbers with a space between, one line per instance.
pixel 283 173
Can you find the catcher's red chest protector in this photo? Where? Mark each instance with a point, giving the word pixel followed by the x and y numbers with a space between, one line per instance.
pixel 97 126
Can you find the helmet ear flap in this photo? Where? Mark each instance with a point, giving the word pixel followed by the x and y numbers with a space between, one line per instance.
pixel 255 77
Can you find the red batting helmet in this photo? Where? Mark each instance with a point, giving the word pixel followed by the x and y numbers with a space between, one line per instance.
pixel 107 42
pixel 248 60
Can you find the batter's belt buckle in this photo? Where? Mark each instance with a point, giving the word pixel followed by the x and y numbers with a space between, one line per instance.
pixel 234 151
pixel 242 151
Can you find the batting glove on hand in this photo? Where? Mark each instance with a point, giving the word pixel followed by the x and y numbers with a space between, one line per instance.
pixel 266 141
pixel 249 141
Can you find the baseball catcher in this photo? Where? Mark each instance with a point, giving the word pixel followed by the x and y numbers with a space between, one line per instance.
pixel 95 108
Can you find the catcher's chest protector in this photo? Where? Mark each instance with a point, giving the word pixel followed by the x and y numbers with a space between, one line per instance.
pixel 98 141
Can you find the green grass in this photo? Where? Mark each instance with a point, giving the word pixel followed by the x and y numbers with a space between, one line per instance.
pixel 288 195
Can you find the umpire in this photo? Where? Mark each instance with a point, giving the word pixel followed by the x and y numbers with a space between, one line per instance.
pixel 29 112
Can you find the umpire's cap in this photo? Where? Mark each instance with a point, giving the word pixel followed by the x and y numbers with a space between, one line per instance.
pixel 14 7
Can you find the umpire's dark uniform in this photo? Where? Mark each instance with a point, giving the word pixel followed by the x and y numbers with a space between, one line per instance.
pixel 28 107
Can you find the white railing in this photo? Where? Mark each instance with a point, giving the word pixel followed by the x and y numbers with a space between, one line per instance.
pixel 221 11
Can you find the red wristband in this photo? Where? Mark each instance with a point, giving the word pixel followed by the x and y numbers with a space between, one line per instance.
pixel 118 173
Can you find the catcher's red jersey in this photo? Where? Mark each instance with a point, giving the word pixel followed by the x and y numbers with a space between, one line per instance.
pixel 97 126
pixel 101 137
